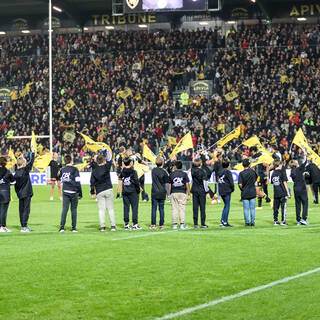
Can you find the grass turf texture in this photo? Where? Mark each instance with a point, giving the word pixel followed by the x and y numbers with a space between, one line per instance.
pixel 147 274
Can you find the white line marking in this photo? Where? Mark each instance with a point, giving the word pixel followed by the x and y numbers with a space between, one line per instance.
pixel 144 235
pixel 237 295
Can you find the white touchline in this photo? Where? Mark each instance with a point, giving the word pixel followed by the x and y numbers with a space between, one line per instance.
pixel 237 295
pixel 144 235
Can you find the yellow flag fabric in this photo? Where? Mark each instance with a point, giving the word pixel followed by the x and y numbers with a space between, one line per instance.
pixel 70 104
pixel 12 161
pixel 124 94
pixel 26 90
pixel 235 133
pixel 41 163
pixel 140 168
pixel 301 141
pixel 239 167
pixel 148 154
pixel 33 145
pixel 264 158
pixel 231 96
pixel 184 144
pixel 14 95
pixel 120 109
pixel 93 145
pixel 228 85
pixel 81 166
pixel 172 141
pixel 252 142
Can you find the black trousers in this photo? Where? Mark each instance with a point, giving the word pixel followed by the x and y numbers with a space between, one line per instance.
pixel 3 214
pixel 316 187
pixel 211 193
pixel 24 211
pixel 130 199
pixel 199 200
pixel 276 205
pixel 301 198
pixel 144 195
pixel 69 199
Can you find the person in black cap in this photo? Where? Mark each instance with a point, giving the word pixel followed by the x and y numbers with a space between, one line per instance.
pixel 247 184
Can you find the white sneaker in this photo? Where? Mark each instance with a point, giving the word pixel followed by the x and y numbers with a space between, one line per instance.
pixel 51 198
pixel 175 226
pixel 2 230
pixel 213 201
pixel 74 230
pixel 219 201
pixel 6 229
pixel 23 229
pixel 61 198
pixel 183 226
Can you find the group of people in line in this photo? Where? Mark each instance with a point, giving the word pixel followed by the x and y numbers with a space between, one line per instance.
pixel 168 180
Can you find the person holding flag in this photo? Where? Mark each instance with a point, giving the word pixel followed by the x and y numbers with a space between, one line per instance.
pixel 23 188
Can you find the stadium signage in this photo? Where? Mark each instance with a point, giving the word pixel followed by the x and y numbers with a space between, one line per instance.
pixel 305 9
pixel 239 13
pixel 133 18
pixel 5 94
pixel 201 88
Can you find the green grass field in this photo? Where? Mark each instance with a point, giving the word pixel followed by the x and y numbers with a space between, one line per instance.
pixel 148 274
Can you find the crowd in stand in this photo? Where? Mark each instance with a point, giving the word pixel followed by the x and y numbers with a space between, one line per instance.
pixel 273 70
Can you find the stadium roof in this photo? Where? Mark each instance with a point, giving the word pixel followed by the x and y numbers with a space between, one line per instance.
pixel 78 9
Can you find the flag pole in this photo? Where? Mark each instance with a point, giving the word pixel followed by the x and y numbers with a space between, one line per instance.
pixel 50 75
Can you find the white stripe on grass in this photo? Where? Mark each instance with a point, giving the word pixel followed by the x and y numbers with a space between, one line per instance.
pixel 147 234
pixel 237 295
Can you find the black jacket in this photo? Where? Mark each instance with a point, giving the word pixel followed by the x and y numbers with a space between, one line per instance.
pixel 206 168
pixel 178 181
pixel 159 179
pixel 70 178
pixel 5 178
pixel 199 176
pixel 298 178
pixel 130 181
pixel 278 178
pixel 248 178
pixel 100 178
pixel 225 182
pixel 314 173
pixel 23 184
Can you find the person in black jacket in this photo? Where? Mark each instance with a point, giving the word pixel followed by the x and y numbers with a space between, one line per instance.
pixel 226 187
pixel 216 168
pixel 130 187
pixel 199 189
pixel 247 184
pixel 314 172
pixel 280 192
pixel 24 190
pixel 71 192
pixel 101 189
pixel 55 166
pixel 6 178
pixel 160 179
pixel 300 191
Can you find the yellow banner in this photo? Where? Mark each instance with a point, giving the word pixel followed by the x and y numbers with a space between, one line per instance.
pixel 120 109
pixel 41 163
pixel 93 145
pixel 231 96
pixel 184 144
pixel 235 133
pixel 33 145
pixel 148 154
pixel 124 94
pixel 301 141
pixel 140 168
pixel 70 104
pixel 172 141
pixel 81 166
pixel 12 159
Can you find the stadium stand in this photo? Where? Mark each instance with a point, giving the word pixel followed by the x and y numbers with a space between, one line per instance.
pixel 266 78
